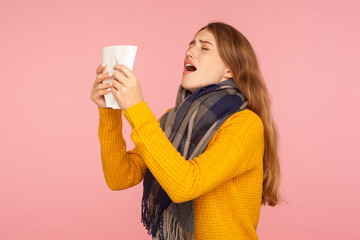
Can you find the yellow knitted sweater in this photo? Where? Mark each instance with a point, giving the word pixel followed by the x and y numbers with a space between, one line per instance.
pixel 225 181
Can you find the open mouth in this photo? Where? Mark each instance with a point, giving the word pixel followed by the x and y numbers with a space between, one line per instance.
pixel 190 67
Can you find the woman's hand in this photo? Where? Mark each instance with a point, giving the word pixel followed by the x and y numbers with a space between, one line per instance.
pixel 99 88
pixel 126 87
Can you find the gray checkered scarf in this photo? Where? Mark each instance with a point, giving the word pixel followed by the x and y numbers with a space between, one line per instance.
pixel 189 126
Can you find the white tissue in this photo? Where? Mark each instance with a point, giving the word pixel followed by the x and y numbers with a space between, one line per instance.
pixel 112 55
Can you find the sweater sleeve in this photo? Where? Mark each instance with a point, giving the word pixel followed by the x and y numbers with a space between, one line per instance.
pixel 233 150
pixel 122 169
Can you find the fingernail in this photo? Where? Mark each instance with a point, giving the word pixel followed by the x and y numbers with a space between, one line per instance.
pixel 109 89
pixel 110 74
pixel 103 64
pixel 110 83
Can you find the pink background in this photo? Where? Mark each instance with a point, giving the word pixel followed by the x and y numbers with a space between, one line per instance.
pixel 52 184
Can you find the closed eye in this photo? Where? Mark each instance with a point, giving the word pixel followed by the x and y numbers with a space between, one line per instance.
pixel 205 48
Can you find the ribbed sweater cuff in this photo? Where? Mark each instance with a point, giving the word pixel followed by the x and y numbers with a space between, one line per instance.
pixel 110 116
pixel 139 114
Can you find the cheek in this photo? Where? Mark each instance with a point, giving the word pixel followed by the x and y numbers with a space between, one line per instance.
pixel 211 66
pixel 214 69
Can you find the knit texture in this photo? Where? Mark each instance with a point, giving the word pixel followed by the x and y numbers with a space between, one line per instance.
pixel 226 193
pixel 189 126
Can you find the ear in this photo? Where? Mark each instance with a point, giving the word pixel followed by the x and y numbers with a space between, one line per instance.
pixel 227 74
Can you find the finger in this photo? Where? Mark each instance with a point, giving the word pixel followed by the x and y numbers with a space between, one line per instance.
pixel 95 91
pixel 102 86
pixel 124 69
pixel 100 68
pixel 116 84
pixel 120 78
pixel 102 92
pixel 101 77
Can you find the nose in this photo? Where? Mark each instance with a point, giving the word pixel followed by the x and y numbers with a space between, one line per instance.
pixel 190 53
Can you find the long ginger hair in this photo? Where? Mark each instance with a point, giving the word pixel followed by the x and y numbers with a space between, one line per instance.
pixel 238 55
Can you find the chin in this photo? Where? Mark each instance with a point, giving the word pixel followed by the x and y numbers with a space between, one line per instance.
pixel 187 86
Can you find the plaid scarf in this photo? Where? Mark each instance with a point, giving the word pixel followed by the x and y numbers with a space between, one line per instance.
pixel 189 126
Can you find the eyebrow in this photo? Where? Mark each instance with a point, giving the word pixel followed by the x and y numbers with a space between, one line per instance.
pixel 202 41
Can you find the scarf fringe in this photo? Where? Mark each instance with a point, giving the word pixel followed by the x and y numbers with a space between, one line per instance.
pixel 174 229
pixel 189 134
pixel 155 227
pixel 150 216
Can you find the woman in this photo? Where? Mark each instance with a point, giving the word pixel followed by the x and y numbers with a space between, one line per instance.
pixel 210 162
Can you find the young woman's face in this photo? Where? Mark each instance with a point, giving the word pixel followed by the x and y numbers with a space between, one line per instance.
pixel 202 64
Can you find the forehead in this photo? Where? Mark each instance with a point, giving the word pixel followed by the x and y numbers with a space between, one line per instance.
pixel 205 35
